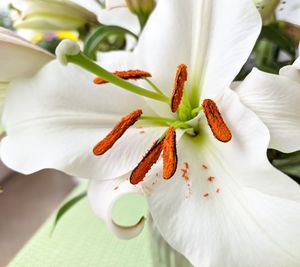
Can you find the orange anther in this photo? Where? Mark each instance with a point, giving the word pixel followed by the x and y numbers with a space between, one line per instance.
pixel 169 154
pixel 180 79
pixel 139 173
pixel 126 75
pixel 218 190
pixel 206 195
pixel 215 121
pixel 106 143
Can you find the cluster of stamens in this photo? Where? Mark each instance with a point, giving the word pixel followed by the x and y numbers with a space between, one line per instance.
pixel 165 145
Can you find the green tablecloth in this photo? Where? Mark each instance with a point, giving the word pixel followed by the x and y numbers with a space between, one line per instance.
pixel 81 239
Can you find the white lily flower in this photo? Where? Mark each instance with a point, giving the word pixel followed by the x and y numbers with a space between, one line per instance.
pixel 18 58
pixel 55 15
pixel 73 14
pixel 225 205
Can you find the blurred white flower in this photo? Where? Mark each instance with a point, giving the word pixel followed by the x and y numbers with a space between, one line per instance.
pixel 54 15
pixel 18 58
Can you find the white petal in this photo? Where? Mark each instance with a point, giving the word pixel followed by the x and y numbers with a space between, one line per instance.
pixel 54 119
pixel 275 99
pixel 289 11
pixel 103 195
pixel 120 16
pixel 292 71
pixel 91 5
pixel 18 57
pixel 252 220
pixel 214 38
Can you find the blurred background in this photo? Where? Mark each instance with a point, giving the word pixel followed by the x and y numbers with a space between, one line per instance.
pixel 26 201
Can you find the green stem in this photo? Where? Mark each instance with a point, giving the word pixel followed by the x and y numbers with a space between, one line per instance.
pixel 154 86
pixel 196 110
pixel 180 124
pixel 84 62
pixel 157 119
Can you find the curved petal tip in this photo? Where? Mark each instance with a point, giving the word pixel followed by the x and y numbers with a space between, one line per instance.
pixel 127 232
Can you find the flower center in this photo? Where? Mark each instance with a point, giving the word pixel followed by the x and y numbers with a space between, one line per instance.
pixel 69 52
pixel 166 144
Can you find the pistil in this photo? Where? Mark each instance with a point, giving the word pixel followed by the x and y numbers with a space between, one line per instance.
pixel 69 52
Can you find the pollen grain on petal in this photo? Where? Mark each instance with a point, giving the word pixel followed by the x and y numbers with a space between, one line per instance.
pixel 215 121
pixel 180 79
pixel 204 167
pixel 184 171
pixel 211 178
pixel 151 157
pixel 169 154
pixel 126 75
pixel 106 143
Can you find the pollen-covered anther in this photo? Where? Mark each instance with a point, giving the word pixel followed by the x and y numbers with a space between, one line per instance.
pixel 169 154
pixel 180 79
pixel 151 157
pixel 126 75
pixel 215 121
pixel 106 143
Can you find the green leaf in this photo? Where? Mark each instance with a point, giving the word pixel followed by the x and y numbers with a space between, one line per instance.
pixel 289 163
pixel 101 34
pixel 273 33
pixel 66 207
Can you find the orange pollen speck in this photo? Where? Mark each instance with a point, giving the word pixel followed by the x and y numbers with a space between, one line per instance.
pixel 184 174
pixel 186 165
pixel 139 173
pixel 106 143
pixel 180 79
pixel 126 75
pixel 215 121
pixel 169 154
pixel 218 190
pixel 206 195
pixel 211 178
pixel 204 167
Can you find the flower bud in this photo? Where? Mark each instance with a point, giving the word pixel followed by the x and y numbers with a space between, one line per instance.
pixel 54 15
pixel 141 7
